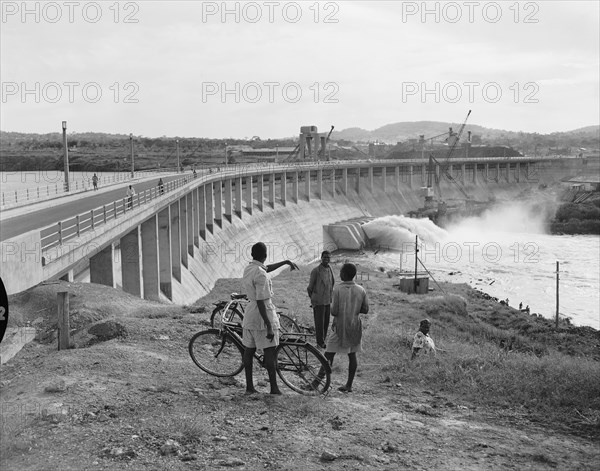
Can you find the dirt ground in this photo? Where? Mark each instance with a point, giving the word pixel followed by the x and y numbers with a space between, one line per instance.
pixel 138 402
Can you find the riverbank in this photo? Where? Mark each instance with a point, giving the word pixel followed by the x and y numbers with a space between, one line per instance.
pixel 505 389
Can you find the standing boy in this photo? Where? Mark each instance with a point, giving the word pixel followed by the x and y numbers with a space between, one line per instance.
pixel 261 322
pixel 320 289
pixel 349 300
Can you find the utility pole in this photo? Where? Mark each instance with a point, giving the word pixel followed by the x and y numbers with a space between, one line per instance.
pixel 131 149
pixel 557 270
pixel 226 156
pixel 66 155
pixel 178 165
pixel 416 261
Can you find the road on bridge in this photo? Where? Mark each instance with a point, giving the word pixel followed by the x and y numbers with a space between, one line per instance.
pixel 40 218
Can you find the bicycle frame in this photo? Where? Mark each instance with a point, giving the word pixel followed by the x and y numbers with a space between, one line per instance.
pixel 291 357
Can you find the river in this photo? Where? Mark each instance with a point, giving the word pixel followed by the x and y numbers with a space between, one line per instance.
pixel 504 253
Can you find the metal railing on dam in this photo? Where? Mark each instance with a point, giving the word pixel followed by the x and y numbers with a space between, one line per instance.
pixel 83 183
pixel 75 226
pixel 72 227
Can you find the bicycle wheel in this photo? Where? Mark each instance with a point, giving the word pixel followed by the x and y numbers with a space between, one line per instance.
pixel 215 352
pixel 231 315
pixel 302 368
pixel 288 324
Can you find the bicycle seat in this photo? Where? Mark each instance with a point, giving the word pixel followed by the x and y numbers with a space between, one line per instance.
pixel 238 296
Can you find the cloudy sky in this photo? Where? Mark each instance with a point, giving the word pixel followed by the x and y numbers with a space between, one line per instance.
pixel 240 69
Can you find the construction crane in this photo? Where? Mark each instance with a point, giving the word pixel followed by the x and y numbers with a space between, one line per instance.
pixel 453 140
pixel 322 153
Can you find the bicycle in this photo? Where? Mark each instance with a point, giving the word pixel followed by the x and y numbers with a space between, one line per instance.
pixel 233 311
pixel 219 352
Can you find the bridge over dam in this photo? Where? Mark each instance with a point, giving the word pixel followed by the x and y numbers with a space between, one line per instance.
pixel 175 243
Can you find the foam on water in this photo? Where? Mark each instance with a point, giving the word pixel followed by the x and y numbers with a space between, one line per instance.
pixel 505 253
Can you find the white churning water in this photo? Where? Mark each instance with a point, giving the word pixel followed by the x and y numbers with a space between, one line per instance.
pixel 504 253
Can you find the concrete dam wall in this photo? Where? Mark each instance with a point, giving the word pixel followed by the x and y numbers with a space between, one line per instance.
pixel 176 246
pixel 297 231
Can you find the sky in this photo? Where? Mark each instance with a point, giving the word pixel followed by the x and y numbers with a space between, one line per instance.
pixel 244 69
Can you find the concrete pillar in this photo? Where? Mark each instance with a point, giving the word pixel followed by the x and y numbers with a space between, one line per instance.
pixel 333 188
pixel 194 212
pixel 384 177
pixel 397 177
pixel 218 187
pixel 358 180
pixel 370 182
pixel 498 172
pixel 202 211
pixel 238 197
pixel 131 268
pixel 150 266
pixel 260 192
pixel 345 180
pixel 307 184
pixel 164 252
pixel 210 207
pixel 272 190
pixel 102 267
pixel 175 241
pixel 463 172
pixel 474 172
pixel 487 172
pixel 320 183
pixel 518 172
pixel 410 176
pixel 69 276
pixel 190 223
pixel 249 195
pixel 295 187
pixel 283 188
pixel 228 200
pixel 183 230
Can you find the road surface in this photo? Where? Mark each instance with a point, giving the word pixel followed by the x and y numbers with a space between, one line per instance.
pixel 40 218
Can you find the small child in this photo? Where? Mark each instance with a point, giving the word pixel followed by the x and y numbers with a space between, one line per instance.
pixel 349 300
pixel 422 340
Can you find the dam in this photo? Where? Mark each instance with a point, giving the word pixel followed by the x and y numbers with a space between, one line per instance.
pixel 174 245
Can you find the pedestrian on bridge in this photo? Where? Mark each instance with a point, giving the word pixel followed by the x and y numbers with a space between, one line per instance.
pixel 130 195
pixel 95 181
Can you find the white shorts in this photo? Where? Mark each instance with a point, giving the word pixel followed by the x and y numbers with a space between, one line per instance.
pixel 252 338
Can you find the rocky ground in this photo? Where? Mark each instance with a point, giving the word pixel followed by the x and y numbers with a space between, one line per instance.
pixel 136 401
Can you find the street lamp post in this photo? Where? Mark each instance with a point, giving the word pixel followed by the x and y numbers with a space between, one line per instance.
pixel 131 149
pixel 66 155
pixel 177 147
pixel 226 156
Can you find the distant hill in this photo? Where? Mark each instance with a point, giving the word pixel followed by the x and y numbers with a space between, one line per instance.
pixel 585 130
pixel 399 132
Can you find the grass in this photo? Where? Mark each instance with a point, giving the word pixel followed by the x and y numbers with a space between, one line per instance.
pixel 490 354
pixel 487 364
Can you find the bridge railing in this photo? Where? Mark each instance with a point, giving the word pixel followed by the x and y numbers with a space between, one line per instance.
pixel 70 228
pixel 62 231
pixel 13 198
